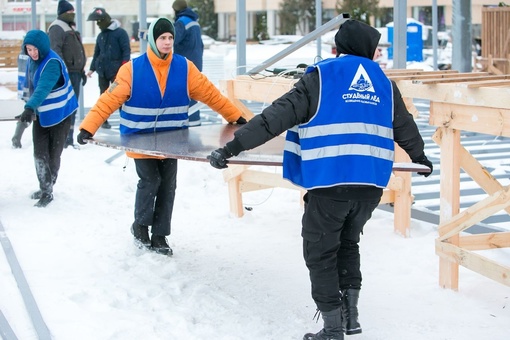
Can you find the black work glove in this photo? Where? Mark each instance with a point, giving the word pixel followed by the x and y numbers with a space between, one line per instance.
pixel 84 134
pixel 423 160
pixel 83 79
pixel 218 158
pixel 27 116
pixel 241 120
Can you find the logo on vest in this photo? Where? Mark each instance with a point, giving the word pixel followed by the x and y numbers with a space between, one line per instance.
pixel 361 82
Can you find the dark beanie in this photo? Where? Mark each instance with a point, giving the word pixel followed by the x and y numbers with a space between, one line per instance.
pixel 179 5
pixel 162 26
pixel 357 38
pixel 64 6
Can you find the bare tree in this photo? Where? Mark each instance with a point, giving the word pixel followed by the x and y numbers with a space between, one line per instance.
pixel 297 16
pixel 358 9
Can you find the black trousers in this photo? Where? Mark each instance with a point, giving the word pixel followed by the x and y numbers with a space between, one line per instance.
pixel 48 146
pixel 155 193
pixel 331 234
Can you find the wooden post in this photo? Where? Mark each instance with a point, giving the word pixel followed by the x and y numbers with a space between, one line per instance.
pixel 449 140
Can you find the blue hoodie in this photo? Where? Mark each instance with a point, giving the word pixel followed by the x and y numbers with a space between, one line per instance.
pixel 188 37
pixel 51 95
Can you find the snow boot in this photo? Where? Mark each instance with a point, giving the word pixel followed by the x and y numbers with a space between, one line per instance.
pixel 350 298
pixel 160 245
pixel 141 234
pixel 332 327
pixel 36 195
pixel 45 199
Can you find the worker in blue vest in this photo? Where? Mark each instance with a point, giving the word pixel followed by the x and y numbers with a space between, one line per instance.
pixel 50 103
pixel 342 119
pixel 188 43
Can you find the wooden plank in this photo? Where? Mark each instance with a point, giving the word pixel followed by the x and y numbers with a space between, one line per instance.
pixel 474 214
pixel 474 262
pixel 485 241
pixel 492 121
pixel 465 79
pixel 479 174
pixel 439 77
pixel 489 83
pixel 449 197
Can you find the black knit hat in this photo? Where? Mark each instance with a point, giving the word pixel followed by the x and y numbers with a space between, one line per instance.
pixel 179 5
pixel 357 38
pixel 64 6
pixel 162 26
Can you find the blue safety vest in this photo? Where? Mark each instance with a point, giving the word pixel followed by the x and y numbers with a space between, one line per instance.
pixel 349 140
pixel 61 102
pixel 146 111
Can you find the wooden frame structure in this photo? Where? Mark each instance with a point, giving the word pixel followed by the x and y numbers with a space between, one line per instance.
pixel 477 102
pixel 243 179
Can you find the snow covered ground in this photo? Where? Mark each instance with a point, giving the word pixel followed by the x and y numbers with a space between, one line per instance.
pixel 229 279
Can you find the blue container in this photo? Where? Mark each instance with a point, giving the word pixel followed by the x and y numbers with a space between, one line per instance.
pixel 414 41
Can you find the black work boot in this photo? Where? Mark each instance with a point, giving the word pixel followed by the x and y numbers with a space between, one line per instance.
pixel 45 199
pixel 332 327
pixel 36 195
pixel 141 234
pixel 160 245
pixel 350 311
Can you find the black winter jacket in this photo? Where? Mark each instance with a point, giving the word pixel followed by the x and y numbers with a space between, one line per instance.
pixel 67 43
pixel 298 106
pixel 111 51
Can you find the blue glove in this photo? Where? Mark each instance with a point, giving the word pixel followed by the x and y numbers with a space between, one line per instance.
pixel 218 158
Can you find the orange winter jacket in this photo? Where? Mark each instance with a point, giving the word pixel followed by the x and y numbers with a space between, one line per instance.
pixel 199 89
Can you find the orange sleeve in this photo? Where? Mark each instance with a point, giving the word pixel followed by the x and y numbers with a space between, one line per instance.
pixel 201 89
pixel 111 100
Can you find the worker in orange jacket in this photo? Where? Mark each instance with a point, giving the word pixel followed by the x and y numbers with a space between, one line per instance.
pixel 153 93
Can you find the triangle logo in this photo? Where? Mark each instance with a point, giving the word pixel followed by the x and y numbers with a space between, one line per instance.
pixel 361 81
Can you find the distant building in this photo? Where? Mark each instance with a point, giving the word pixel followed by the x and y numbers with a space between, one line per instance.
pixel 16 14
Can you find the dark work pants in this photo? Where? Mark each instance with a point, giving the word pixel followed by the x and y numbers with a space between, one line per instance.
pixel 104 83
pixel 76 83
pixel 155 193
pixel 331 233
pixel 48 146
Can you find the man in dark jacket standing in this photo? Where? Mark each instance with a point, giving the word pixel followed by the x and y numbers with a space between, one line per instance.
pixel 188 42
pixel 342 120
pixel 111 51
pixel 68 45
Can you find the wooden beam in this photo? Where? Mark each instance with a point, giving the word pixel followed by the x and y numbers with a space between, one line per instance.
pixel 449 197
pixel 479 173
pixel 490 121
pixel 475 213
pixel 485 241
pixel 474 262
